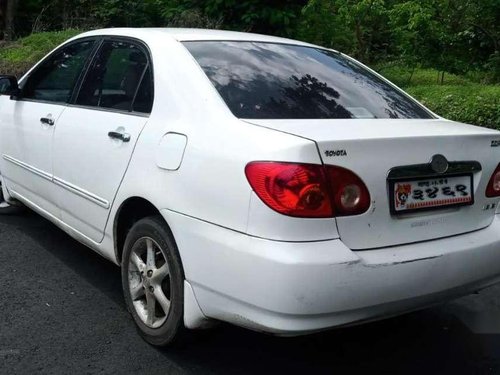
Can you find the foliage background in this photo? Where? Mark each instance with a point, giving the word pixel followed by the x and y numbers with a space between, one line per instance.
pixel 444 52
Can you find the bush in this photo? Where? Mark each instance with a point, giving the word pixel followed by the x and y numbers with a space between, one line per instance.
pixel 460 98
pixel 472 103
pixel 405 77
pixel 17 57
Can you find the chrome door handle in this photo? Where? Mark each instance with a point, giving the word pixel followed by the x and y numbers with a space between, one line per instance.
pixel 124 137
pixel 47 121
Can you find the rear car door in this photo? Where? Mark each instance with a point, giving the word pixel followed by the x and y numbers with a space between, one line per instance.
pixel 97 133
pixel 29 121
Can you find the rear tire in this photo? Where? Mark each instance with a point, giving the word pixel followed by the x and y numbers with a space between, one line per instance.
pixel 153 282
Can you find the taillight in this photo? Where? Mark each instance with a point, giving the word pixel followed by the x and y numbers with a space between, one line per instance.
pixel 292 189
pixel 308 190
pixel 350 194
pixel 493 188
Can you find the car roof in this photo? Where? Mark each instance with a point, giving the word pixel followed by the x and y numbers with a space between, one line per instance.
pixel 185 34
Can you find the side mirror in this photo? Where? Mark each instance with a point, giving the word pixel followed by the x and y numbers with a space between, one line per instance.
pixel 9 86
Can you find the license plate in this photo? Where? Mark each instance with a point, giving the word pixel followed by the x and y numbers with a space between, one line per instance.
pixel 431 193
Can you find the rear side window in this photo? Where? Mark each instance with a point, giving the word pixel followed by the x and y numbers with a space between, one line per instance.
pixel 119 76
pixel 278 81
pixel 144 99
pixel 55 78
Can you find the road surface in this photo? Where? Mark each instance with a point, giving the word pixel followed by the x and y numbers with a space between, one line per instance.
pixel 62 312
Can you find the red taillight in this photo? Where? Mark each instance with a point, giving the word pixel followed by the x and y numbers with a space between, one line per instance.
pixel 292 189
pixel 493 188
pixel 308 190
pixel 350 194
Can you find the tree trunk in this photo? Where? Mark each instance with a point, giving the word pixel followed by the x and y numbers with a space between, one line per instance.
pixel 361 42
pixel 66 16
pixel 411 74
pixel 10 13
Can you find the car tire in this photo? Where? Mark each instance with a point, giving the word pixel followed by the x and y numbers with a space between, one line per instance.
pixel 153 282
pixel 6 208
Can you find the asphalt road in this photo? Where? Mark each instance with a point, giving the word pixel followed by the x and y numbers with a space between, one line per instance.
pixel 62 312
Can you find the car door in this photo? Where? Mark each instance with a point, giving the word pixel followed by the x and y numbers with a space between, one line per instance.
pixel 28 123
pixel 96 134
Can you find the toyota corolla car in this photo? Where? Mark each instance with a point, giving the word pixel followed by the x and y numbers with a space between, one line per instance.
pixel 265 182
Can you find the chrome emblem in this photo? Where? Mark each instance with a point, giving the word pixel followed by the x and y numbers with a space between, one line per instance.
pixel 439 164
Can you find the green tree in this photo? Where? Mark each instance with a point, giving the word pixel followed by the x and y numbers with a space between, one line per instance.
pixel 129 13
pixel 272 16
pixel 450 35
pixel 352 26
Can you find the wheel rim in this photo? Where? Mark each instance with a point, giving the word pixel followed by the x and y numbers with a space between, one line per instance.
pixel 149 282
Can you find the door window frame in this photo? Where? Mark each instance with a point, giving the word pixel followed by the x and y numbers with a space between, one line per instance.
pixel 90 58
pixel 98 42
pixel 144 49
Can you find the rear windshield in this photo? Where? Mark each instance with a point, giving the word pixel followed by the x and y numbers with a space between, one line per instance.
pixel 279 81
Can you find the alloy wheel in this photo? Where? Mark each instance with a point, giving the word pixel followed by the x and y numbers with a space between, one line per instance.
pixel 149 282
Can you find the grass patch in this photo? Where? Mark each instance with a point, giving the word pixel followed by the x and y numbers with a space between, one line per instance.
pixel 17 57
pixel 460 98
pixel 471 103
pixel 405 77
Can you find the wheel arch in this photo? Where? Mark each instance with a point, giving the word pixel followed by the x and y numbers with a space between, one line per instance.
pixel 130 211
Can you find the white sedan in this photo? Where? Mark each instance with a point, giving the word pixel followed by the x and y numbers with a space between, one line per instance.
pixel 265 182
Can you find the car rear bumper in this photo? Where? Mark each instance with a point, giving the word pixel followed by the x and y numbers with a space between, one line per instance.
pixel 292 288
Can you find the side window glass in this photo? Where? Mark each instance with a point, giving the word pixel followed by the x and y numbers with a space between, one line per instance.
pixel 56 77
pixel 114 78
pixel 144 99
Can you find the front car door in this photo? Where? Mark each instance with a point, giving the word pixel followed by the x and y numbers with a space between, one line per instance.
pixel 29 121
pixel 96 134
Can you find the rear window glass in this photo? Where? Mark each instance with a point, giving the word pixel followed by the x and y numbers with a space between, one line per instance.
pixel 279 81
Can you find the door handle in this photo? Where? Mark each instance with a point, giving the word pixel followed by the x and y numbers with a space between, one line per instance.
pixel 47 121
pixel 124 137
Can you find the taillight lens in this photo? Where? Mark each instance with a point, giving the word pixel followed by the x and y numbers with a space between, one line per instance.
pixel 308 190
pixel 292 189
pixel 493 188
pixel 349 193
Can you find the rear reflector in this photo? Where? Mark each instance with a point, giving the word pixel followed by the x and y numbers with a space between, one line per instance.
pixel 493 188
pixel 308 190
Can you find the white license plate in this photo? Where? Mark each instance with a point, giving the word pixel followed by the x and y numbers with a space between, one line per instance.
pixel 424 194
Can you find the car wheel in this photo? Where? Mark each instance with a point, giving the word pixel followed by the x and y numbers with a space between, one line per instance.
pixel 5 208
pixel 153 282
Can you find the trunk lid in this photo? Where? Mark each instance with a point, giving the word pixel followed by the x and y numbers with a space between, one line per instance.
pixel 374 148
